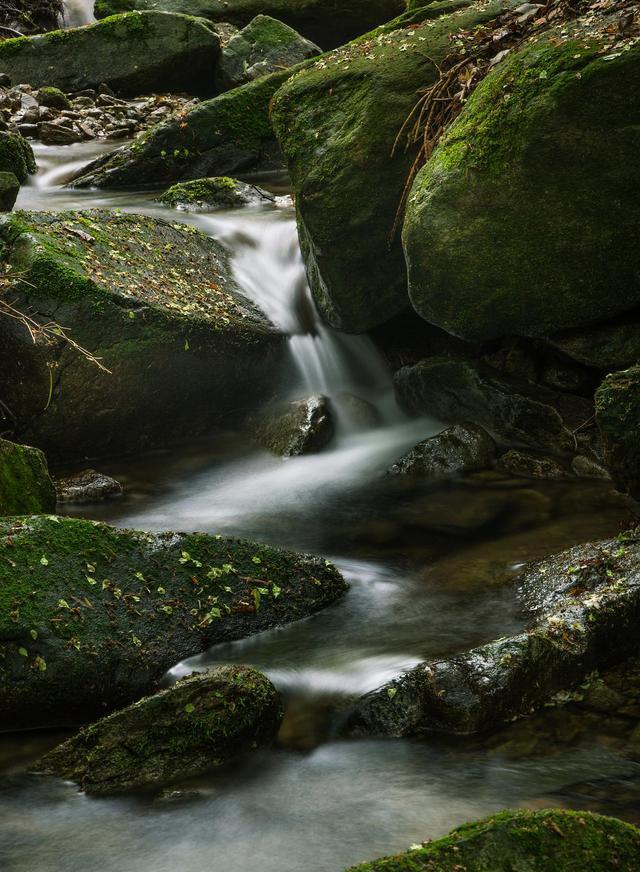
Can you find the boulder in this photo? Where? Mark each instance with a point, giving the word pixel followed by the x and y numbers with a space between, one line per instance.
pixel 157 304
pixel 584 608
pixel 54 98
pixel 301 427
pixel 16 156
pixel 9 190
pixel 228 134
pixel 264 46
pixel 613 345
pixel 534 233
pixel 618 420
pixel 514 412
pixel 92 617
pixel 199 723
pixel 87 486
pixel 133 54
pixel 337 123
pixel 521 463
pixel 458 449
pixel 220 192
pixel 328 24
pixel 25 484
pixel 551 840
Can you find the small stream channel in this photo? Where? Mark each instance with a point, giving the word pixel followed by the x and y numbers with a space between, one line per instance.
pixel 427 579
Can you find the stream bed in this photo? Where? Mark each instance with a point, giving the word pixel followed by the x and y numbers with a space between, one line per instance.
pixel 429 573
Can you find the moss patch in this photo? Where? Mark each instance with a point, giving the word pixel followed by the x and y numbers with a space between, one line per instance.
pixel 25 484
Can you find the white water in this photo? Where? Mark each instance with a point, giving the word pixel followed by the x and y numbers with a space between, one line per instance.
pixel 78 12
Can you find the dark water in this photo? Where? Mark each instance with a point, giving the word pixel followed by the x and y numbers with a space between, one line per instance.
pixel 430 573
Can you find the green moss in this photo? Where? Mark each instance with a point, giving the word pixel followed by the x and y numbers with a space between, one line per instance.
pixel 16 155
pixel 544 841
pixel 54 97
pixel 25 485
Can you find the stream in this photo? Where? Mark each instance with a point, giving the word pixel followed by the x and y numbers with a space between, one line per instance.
pixel 427 579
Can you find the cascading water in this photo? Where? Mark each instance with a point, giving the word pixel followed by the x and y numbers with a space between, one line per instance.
pixel 78 12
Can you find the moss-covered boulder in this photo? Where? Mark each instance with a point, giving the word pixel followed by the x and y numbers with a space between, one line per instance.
pixel 301 427
pixel 134 54
pixel 92 617
pixel 525 219
pixel 9 190
pixel 220 192
pixel 551 840
pixel 584 608
pixel 16 155
pixel 25 484
pixel 197 724
pixel 157 304
pixel 264 46
pixel 457 450
pixel 610 345
pixel 327 22
pixel 618 420
pixel 337 123
pixel 53 97
pixel 230 133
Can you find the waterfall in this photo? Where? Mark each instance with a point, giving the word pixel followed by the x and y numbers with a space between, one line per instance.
pixel 78 12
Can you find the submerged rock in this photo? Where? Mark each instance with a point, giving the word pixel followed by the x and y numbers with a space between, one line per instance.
pixel 337 123
pixel 618 419
pixel 328 25
pixel 133 54
pixel 301 427
pixel 9 190
pixel 264 46
pixel 87 486
pixel 195 725
pixel 559 200
pixel 16 156
pixel 532 466
pixel 458 449
pixel 552 840
pixel 220 192
pixel 92 617
pixel 228 134
pixel 156 302
pixel 585 607
pixel 514 412
pixel 25 484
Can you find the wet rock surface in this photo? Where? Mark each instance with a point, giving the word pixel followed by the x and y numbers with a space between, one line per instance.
pixel 618 419
pixel 459 449
pixel 87 486
pixel 220 192
pixel 197 724
pixel 91 617
pixel 301 427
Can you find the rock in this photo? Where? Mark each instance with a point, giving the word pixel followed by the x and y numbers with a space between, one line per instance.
pixel 519 463
pixel 458 449
pixel 329 26
pixel 199 723
pixel 92 617
pixel 16 156
pixel 25 484
pixel 356 412
pixel 584 605
pixel 618 419
pixel 58 134
pixel 164 52
pixel 264 46
pixel 337 123
pixel 226 135
pixel 157 304
pixel 9 190
pixel 53 97
pixel 220 192
pixel 551 840
pixel 615 345
pixel 559 200
pixel 301 427
pixel 585 467
pixel 513 412
pixel 87 486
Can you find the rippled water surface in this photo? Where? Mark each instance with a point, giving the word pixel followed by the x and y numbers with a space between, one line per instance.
pixel 429 571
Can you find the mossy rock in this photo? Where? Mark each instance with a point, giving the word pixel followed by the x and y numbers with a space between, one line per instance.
pixel 25 483
pixel 219 192
pixel 264 46
pixel 53 97
pixel 16 156
pixel 618 420
pixel 136 53
pixel 552 840
pixel 584 608
pixel 337 122
pixel 199 723
pixel 524 221
pixel 156 302
pixel 92 617
pixel 327 22
pixel 301 427
pixel 457 450
pixel 230 133
pixel 611 345
pixel 9 190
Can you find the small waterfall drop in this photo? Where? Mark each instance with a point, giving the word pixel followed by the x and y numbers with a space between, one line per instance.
pixel 78 12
